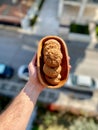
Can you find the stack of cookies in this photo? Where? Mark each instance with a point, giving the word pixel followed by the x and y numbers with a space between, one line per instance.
pixel 52 61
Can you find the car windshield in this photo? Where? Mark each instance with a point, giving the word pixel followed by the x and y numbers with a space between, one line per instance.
pixel 2 68
pixel 26 70
pixel 93 83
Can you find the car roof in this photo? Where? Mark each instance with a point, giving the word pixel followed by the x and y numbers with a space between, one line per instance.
pixel 84 80
pixel 79 80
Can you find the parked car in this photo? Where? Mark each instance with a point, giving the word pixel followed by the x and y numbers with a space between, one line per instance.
pixel 81 82
pixel 6 71
pixel 23 72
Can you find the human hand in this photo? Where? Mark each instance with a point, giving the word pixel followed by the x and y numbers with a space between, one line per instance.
pixel 33 77
pixel 69 63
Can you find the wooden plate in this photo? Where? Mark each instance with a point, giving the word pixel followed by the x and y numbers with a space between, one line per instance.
pixel 64 64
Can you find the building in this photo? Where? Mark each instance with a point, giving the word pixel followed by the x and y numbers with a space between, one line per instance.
pixel 78 20
pixel 12 12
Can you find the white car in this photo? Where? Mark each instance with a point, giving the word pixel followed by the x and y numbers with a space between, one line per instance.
pixel 23 72
pixel 81 82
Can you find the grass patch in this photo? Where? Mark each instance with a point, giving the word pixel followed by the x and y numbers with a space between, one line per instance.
pixel 33 21
pixel 97 30
pixel 41 4
pixel 81 29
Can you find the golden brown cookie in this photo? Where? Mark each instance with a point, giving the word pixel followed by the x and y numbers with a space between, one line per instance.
pixel 50 44
pixel 51 72
pixel 53 81
pixel 53 57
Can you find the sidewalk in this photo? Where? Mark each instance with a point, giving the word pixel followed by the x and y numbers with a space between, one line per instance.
pixel 47 22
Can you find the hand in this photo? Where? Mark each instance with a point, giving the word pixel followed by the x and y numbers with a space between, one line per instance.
pixel 69 63
pixel 33 77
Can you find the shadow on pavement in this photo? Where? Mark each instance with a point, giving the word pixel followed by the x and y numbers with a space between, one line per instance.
pixel 76 52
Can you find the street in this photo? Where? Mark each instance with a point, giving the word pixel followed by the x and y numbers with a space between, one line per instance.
pixel 83 60
pixel 17 49
pixel 19 44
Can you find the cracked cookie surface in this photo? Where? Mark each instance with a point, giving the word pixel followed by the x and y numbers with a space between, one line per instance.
pixel 53 81
pixel 53 57
pixel 51 72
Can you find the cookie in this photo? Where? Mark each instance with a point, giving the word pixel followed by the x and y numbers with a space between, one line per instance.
pixel 52 42
pixel 51 72
pixel 53 81
pixel 50 46
pixel 53 57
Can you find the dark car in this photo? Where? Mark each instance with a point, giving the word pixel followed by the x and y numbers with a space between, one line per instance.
pixel 6 71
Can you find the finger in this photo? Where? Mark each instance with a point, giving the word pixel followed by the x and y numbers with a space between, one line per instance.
pixel 68 57
pixel 70 66
pixel 32 64
pixel 34 60
pixel 31 67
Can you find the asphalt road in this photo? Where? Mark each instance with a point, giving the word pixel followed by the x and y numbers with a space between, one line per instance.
pixel 17 49
pixel 83 60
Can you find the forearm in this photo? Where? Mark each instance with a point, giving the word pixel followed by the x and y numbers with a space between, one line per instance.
pixel 18 113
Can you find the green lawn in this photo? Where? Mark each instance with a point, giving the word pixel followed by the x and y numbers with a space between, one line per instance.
pixel 97 30
pixel 81 29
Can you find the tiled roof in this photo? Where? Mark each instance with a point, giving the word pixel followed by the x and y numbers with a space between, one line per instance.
pixel 13 13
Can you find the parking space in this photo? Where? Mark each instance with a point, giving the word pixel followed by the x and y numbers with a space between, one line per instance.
pixel 16 49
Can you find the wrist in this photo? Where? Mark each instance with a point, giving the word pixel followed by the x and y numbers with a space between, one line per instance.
pixel 32 91
pixel 36 86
